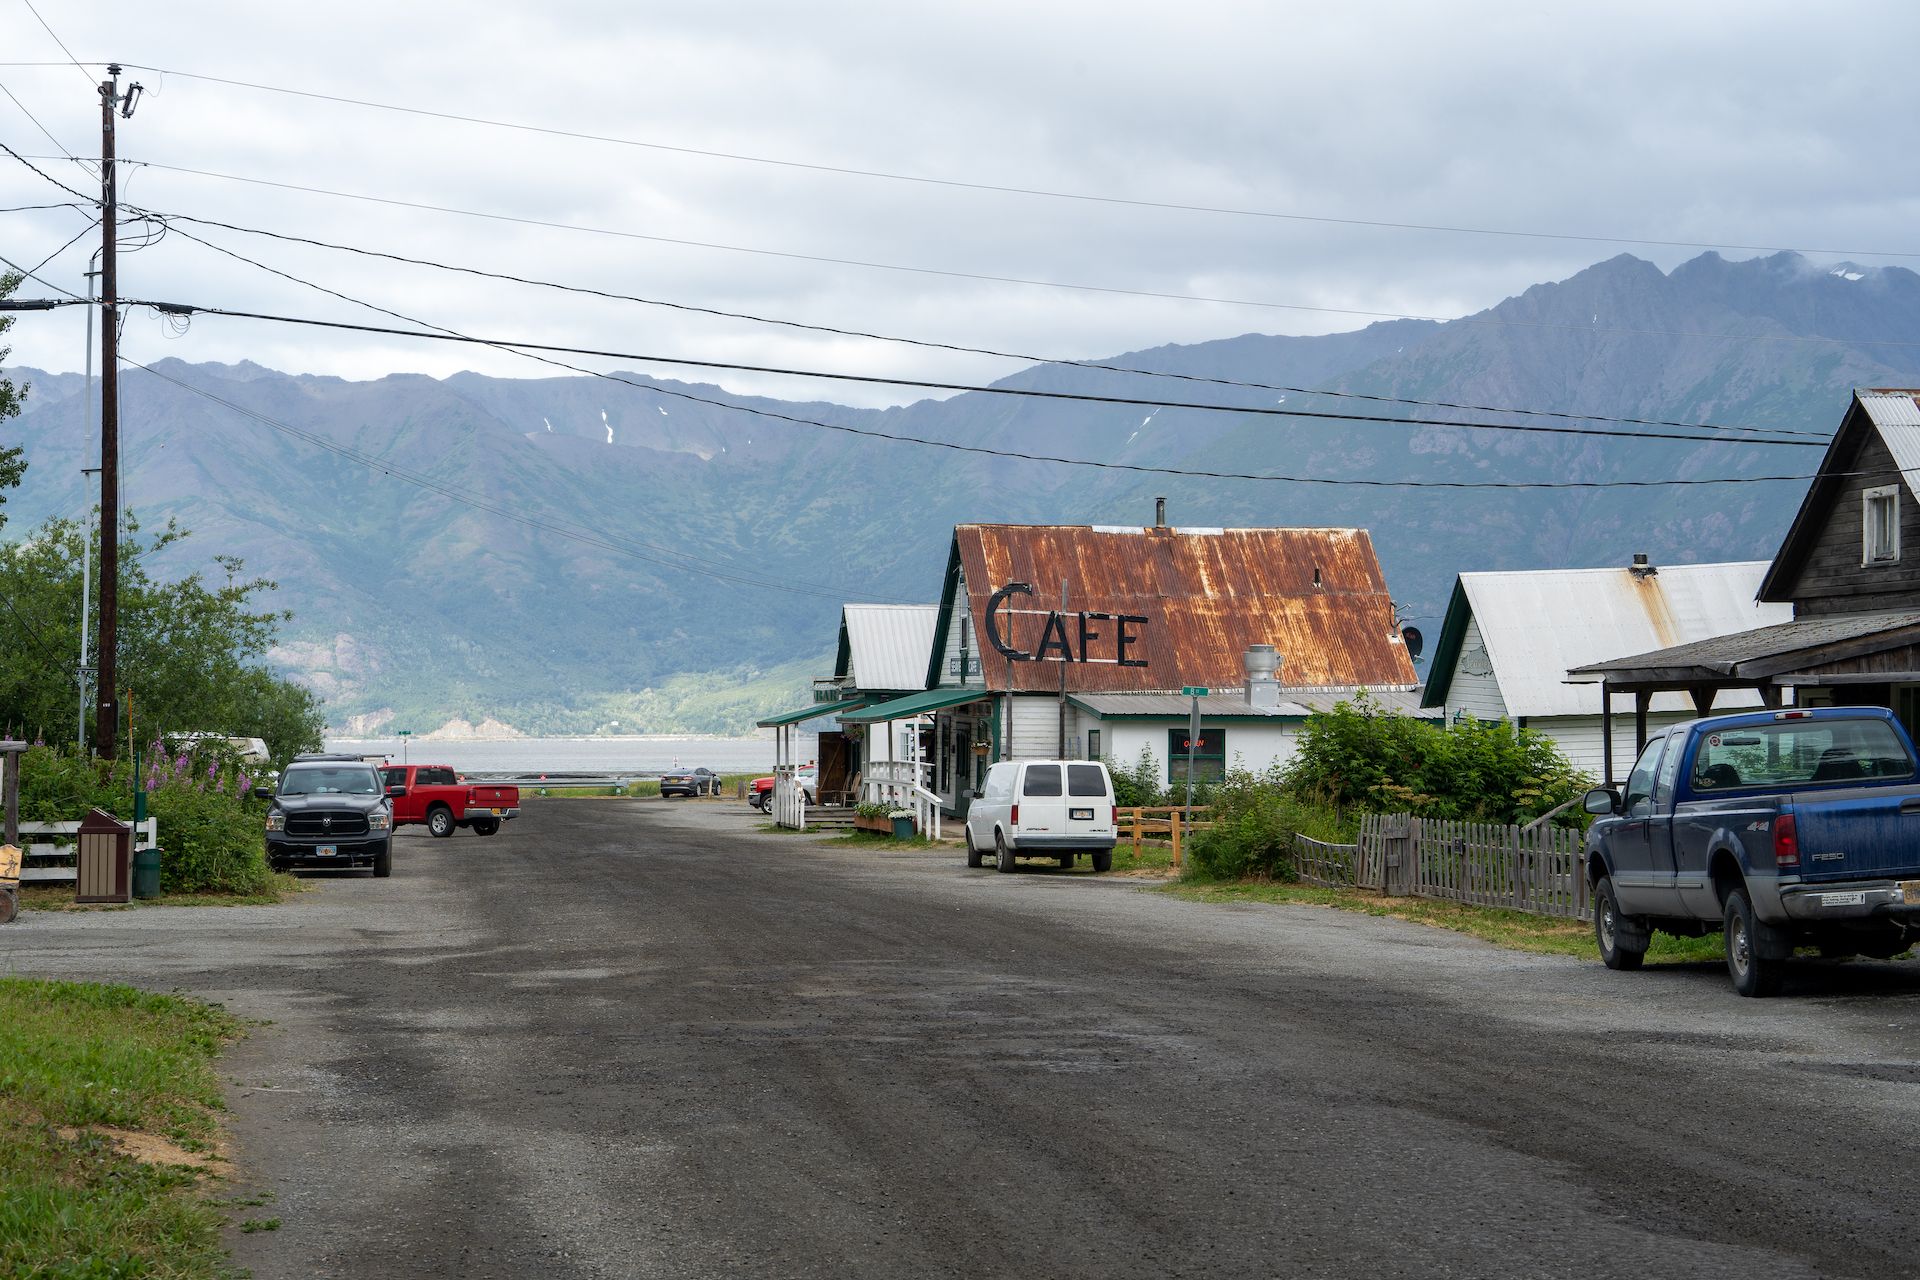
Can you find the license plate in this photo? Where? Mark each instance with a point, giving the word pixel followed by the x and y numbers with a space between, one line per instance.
pixel 327 851
pixel 498 812
pixel 1084 815
pixel 1910 891
pixel 1843 899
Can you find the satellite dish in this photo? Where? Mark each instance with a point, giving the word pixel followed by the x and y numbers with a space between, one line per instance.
pixel 1414 640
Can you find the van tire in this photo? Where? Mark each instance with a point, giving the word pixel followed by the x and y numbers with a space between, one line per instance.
pixel 1102 860
pixel 1066 862
pixel 975 858
pixel 1003 852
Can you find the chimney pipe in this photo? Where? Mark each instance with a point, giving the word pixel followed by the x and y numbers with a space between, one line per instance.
pixel 1159 513
pixel 1263 676
pixel 1641 566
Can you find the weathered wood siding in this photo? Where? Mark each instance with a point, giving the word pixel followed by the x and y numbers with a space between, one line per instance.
pixel 1476 692
pixel 1833 580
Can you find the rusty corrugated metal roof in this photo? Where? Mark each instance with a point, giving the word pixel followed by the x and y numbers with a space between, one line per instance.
pixel 1316 595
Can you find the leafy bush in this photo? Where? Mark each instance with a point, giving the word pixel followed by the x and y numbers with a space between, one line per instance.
pixel 210 827
pixel 1254 821
pixel 1138 784
pixel 1360 757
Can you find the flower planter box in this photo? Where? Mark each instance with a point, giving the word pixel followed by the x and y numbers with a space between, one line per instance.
pixel 883 826
pixel 902 828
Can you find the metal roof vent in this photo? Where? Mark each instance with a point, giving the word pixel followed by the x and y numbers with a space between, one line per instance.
pixel 1263 676
pixel 1641 566
pixel 1159 513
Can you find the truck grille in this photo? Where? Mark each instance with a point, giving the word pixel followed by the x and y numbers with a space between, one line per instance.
pixel 330 822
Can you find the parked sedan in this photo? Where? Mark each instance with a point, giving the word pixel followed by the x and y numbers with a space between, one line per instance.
pixel 689 783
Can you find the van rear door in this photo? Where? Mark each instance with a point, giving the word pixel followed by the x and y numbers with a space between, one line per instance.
pixel 1043 800
pixel 1089 800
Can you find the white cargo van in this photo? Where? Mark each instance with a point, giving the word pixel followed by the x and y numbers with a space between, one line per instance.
pixel 1043 809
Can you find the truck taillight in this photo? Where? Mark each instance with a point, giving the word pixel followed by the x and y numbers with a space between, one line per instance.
pixel 1014 817
pixel 1786 842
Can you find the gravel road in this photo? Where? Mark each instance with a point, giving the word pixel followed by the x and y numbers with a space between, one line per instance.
pixel 642 1039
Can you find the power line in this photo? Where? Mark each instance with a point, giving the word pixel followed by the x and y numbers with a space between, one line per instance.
pixel 28 162
pixel 1124 466
pixel 517 344
pixel 949 346
pixel 462 497
pixel 1009 189
pixel 983 277
pixel 77 64
pixel 41 127
pixel 1069 286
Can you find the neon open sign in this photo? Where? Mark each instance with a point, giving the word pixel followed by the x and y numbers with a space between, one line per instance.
pixel 1085 639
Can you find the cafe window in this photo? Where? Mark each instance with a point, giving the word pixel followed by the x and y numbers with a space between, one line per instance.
pixel 1209 755
pixel 1880 517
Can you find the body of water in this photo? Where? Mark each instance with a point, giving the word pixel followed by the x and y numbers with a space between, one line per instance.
pixel 631 757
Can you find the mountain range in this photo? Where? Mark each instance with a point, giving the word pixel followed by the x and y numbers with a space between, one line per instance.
pixel 573 554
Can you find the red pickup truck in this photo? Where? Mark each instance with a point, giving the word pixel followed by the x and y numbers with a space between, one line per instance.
pixel 435 795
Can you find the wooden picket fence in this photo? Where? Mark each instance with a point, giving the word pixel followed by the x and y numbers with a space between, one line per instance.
pixel 1323 863
pixel 1533 869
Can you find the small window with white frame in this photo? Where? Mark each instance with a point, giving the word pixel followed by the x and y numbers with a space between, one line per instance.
pixel 1880 520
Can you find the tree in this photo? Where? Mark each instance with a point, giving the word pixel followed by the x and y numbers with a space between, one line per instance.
pixel 13 463
pixel 192 653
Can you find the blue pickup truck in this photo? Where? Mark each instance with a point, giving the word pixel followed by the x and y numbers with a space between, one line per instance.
pixel 1784 829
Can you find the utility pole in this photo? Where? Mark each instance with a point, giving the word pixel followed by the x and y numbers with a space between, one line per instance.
pixel 106 703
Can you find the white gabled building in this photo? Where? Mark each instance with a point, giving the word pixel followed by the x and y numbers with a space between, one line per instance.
pixel 1509 640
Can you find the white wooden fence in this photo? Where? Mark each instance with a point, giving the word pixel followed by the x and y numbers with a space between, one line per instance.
pixel 789 807
pixel 50 860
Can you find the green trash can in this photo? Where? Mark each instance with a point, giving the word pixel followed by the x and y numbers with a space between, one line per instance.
pixel 146 873
pixel 903 828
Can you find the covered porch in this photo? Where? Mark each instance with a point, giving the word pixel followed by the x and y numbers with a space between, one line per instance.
pixel 836 766
pixel 1852 659
pixel 930 768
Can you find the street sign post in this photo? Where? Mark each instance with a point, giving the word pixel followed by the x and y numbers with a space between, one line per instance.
pixel 403 735
pixel 1195 692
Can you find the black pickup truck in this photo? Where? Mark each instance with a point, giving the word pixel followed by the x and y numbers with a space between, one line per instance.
pixel 1785 829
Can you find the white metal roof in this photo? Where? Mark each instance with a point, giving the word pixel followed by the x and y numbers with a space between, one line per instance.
pixel 1293 704
pixel 1538 624
pixel 1897 415
pixel 889 645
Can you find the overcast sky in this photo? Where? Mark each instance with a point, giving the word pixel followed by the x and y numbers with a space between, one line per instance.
pixel 1748 124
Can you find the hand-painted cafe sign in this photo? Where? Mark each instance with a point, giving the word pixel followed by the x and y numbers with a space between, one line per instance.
pixel 1083 636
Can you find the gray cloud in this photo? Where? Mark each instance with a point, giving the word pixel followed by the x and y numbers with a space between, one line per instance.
pixel 1750 124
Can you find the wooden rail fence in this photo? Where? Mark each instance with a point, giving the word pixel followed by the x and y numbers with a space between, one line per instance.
pixel 1168 823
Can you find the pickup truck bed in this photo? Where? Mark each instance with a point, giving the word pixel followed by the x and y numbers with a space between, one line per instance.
pixel 435 797
pixel 1783 829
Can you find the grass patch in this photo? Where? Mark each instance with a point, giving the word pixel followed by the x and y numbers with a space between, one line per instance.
pixel 88 1075
pixel 775 829
pixel 875 840
pixel 59 897
pixel 1516 930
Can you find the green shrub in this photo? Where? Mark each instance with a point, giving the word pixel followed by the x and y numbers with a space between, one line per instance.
pixel 1254 820
pixel 1358 756
pixel 211 829
pixel 1139 784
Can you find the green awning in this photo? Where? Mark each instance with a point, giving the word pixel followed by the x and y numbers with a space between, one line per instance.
pixel 811 711
pixel 915 703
